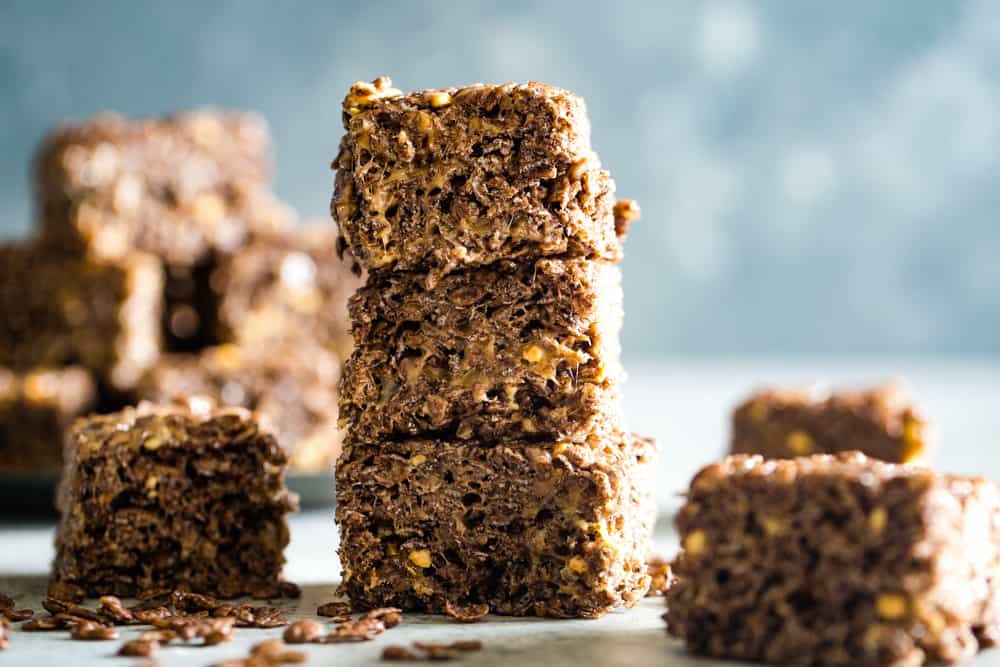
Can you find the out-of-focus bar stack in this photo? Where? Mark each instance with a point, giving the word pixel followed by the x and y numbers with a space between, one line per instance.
pixel 486 466
pixel 159 240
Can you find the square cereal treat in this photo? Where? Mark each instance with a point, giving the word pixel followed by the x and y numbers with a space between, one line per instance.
pixel 182 497
pixel 287 287
pixel 879 422
pixel 36 409
pixel 523 528
pixel 441 179
pixel 177 186
pixel 184 188
pixel 836 560
pixel 193 296
pixel 517 349
pixel 57 310
pixel 292 388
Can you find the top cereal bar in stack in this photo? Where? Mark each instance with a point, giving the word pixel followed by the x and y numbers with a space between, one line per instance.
pixel 452 178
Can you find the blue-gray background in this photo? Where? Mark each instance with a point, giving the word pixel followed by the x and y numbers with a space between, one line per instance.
pixel 816 177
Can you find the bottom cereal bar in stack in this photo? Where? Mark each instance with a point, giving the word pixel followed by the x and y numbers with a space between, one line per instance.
pixel 541 528
pixel 36 407
pixel 836 560
pixel 185 496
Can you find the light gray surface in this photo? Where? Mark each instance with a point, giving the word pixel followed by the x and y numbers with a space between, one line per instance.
pixel 621 638
pixel 684 404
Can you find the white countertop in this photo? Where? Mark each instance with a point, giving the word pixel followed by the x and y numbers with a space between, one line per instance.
pixel 685 405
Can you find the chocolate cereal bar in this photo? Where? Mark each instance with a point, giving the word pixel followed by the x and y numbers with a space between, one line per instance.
pixel 184 496
pixel 286 287
pixel 519 349
pixel 443 179
pixel 879 422
pixel 60 310
pixel 177 186
pixel 36 409
pixel 292 388
pixel 542 528
pixel 836 560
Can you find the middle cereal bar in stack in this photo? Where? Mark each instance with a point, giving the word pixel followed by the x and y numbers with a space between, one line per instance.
pixel 518 349
pixel 485 463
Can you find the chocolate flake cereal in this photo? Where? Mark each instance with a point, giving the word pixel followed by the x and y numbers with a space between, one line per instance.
pixel 431 651
pixel 89 631
pixel 62 590
pixel 142 648
pixel 659 570
pixel 304 632
pixel 336 608
pixel 17 615
pixel 467 613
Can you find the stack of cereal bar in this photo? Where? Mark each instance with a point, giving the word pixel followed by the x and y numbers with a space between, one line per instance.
pixel 160 241
pixel 485 465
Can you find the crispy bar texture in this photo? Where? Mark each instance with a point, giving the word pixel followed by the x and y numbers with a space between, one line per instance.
pixel 515 350
pixel 836 560
pixel 527 528
pixel 291 388
pixel 37 407
pixel 286 287
pixel 443 179
pixel 187 497
pixel 879 422
pixel 178 186
pixel 60 310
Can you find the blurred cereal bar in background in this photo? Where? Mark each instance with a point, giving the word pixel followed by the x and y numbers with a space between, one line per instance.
pixel 183 188
pixel 99 313
pixel 287 286
pixel 36 406
pixel 249 307
pixel 191 303
pixel 291 387
pixel 176 186
pixel 880 422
